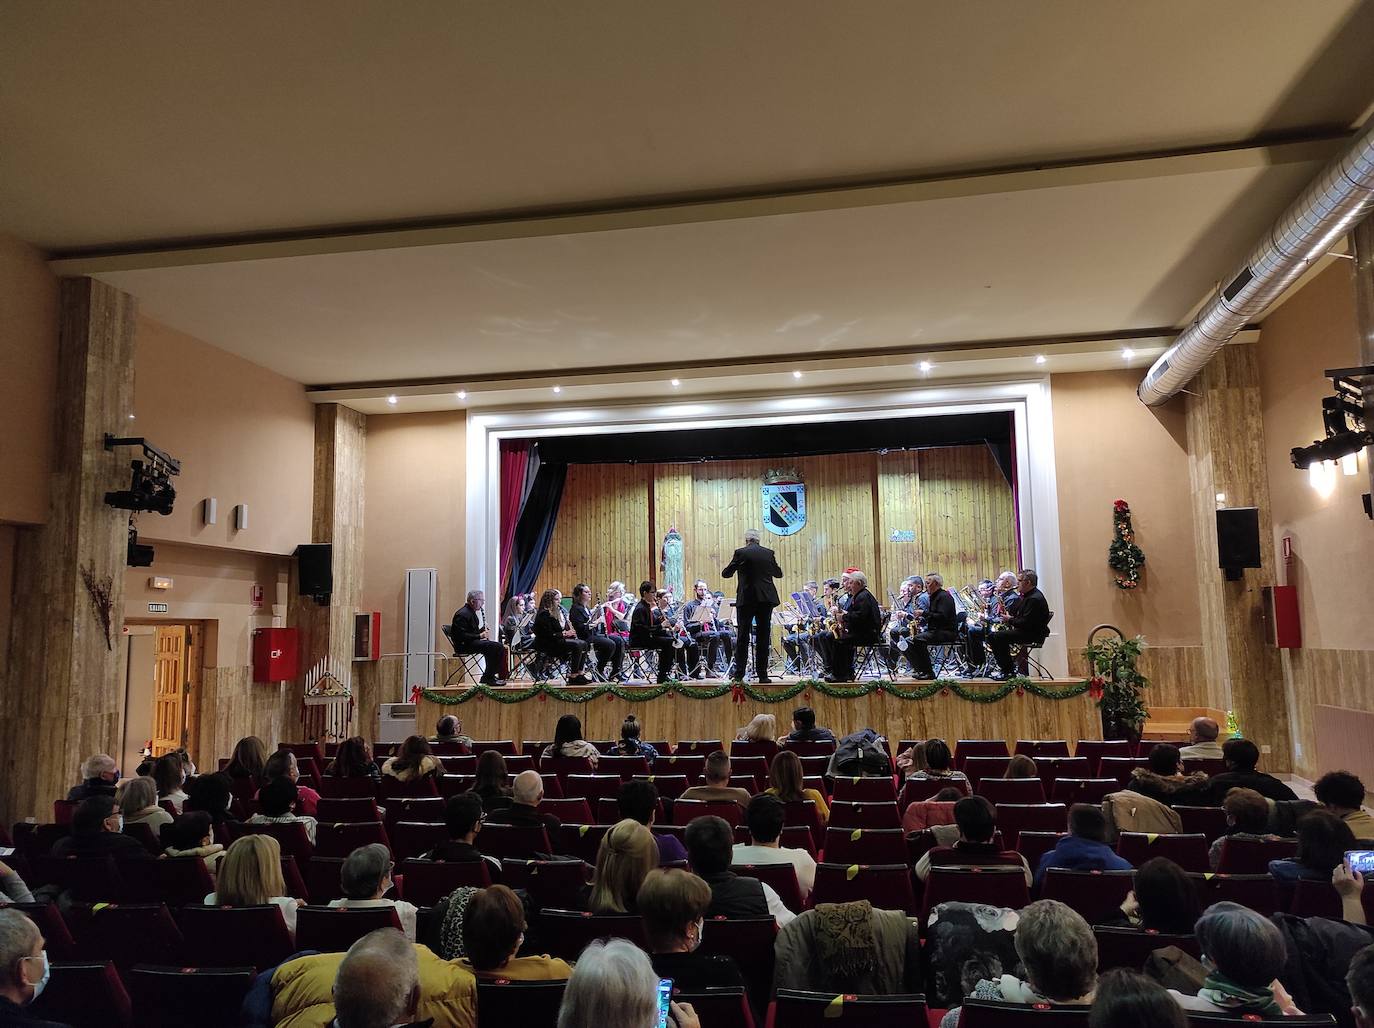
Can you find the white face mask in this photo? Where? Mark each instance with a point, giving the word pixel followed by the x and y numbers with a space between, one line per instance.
pixel 42 982
pixel 701 927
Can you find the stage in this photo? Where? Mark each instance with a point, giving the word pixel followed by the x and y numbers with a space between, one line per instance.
pixel 713 709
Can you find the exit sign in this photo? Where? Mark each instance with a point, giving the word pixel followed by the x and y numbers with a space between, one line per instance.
pixel 157 608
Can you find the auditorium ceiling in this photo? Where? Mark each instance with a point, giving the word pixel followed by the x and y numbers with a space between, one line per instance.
pixel 375 193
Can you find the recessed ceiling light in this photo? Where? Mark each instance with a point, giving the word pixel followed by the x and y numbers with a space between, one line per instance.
pixel 391 400
pixel 1039 358
pixel 1127 353
pixel 557 389
pixel 924 365
pixel 796 374
pixel 462 394
pixel 676 383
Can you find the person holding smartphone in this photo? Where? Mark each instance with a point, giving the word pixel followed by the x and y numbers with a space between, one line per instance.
pixel 613 985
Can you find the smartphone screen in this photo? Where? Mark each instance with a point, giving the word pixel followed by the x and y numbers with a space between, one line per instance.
pixel 1360 860
pixel 665 996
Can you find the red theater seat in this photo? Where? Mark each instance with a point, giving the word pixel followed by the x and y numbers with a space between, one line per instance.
pixel 1187 851
pixel 567 932
pixel 429 881
pixel 793 1008
pixel 334 929
pixel 85 994
pixel 887 886
pixel 175 996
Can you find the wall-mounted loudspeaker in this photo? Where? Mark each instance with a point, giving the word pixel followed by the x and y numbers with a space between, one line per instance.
pixel 241 517
pixel 1238 540
pixel 315 570
pixel 209 510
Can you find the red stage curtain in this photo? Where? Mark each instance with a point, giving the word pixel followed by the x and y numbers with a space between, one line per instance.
pixel 515 459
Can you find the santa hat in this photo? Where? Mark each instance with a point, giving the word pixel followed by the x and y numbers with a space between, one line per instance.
pixel 850 571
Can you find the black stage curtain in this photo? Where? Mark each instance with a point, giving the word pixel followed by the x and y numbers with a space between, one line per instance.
pixel 534 530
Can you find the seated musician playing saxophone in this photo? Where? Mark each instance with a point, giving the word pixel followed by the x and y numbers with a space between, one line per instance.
pixel 1003 590
pixel 859 624
pixel 699 615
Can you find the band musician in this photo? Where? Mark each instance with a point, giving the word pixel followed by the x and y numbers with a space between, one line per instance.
pixel 859 624
pixel 555 637
pixel 647 631
pixel 941 627
pixel 1003 593
pixel 796 642
pixel 755 599
pixel 1028 622
pixel 608 649
pixel 687 654
pixel 906 612
pixel 469 630
pixel 711 637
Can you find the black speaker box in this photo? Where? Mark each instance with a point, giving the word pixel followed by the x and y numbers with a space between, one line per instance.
pixel 1238 539
pixel 315 562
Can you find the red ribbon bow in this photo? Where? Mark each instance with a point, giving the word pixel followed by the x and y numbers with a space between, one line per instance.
pixel 737 693
pixel 414 694
pixel 1095 685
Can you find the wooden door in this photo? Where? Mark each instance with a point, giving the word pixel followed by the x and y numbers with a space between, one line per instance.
pixel 169 689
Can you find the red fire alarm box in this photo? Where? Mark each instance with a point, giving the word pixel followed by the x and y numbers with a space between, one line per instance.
pixel 276 655
pixel 1281 611
pixel 367 635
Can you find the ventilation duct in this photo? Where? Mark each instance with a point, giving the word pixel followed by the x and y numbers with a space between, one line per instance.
pixel 1327 210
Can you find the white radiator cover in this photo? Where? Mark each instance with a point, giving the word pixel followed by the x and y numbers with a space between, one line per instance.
pixel 421 615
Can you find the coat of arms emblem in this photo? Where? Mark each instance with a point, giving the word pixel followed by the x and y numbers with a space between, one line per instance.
pixel 784 502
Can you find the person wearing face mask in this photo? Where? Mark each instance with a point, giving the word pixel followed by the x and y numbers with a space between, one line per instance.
pixel 366 879
pixel 24 970
pixel 672 904
pixel 97 831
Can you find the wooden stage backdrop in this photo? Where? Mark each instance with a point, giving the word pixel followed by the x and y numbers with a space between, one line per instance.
pixel 953 498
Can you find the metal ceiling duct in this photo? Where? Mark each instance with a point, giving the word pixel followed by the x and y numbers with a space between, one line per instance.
pixel 1327 210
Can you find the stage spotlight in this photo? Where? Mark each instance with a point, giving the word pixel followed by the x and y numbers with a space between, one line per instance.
pixel 1343 417
pixel 391 399
pixel 150 487
pixel 1332 448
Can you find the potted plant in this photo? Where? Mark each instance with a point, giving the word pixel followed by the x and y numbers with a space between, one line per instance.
pixel 1116 682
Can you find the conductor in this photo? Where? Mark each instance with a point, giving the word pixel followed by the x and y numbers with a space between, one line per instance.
pixel 755 598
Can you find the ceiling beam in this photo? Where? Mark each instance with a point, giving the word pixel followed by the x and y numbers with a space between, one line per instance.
pixel 1226 157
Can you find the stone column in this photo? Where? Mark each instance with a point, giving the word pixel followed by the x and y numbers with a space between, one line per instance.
pixel 1226 457
pixel 60 696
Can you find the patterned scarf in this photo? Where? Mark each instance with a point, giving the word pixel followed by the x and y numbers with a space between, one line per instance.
pixel 844 939
pixel 1222 992
pixel 451 931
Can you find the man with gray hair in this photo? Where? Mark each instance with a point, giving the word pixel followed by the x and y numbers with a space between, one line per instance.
pixel 99 774
pixel 940 627
pixel 755 599
pixel 378 984
pixel 23 969
pixel 469 634
pixel 1027 621
pixel 1202 739
pixel 526 794
pixel 365 878
pixel 860 625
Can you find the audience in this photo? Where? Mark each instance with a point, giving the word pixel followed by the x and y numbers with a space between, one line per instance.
pixel 99 775
pixel 137 800
pixel 765 816
pixel 97 831
pixel 492 783
pixel 762 728
pixel 1165 782
pixel 614 986
pixel 13 888
pixel 450 729
pixel 638 800
pixel 378 984
pixel 283 764
pixel 493 932
pixel 939 763
pixel 278 802
pixel 212 794
pixel 191 835
pixel 1202 740
pixel 1127 999
pixel 248 760
pixel 1021 766
pixel 366 879
pixel 1342 794
pixel 850 947
pixel 710 844
pixel 626 854
pixel 1247 817
pixel 631 745
pixel 1360 981
pixel 718 788
pixel 1084 848
pixel 1058 956
pixel 23 969
pixel 1242 757
pixel 804 727
pixel 786 782
pixel 170 776
pixel 524 806
pixel 672 903
pixel 977 821
pixel 354 760
pixel 463 819
pixel 250 875
pixel 568 741
pixel 1323 839
pixel 1244 953
pixel 912 759
pixel 413 761
pixel 935 815
pixel 1162 899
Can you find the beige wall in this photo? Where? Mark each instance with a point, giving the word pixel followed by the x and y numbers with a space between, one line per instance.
pixel 216 586
pixel 1313 331
pixel 28 386
pixel 1108 446
pixel 242 433
pixel 416 503
pixel 7 543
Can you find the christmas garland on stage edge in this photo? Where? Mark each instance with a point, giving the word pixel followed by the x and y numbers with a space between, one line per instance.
pixel 742 691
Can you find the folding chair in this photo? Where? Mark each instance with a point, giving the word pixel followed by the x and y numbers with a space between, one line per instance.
pixel 334 929
pixel 174 996
pixel 794 1008
pixel 470 664
pixel 533 1004
pixel 887 886
pixel 1096 749
pixel 550 883
pixel 339 840
pixel 978 768
pixel 865 790
pixel 1187 851
pixel 1208 821
pixel 1014 818
pixel 429 881
pixel 1252 856
pixel 996 886
pixel 347 810
pixel 1037 748
pixel 1097 895
pixel 782 876
pixel 1082 790
pixel 227 936
pixel 1012 790
pixel 865 846
pixel 567 932
pixel 84 994
pixel 985 1013
pixel 864 815
pixel 1131 947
